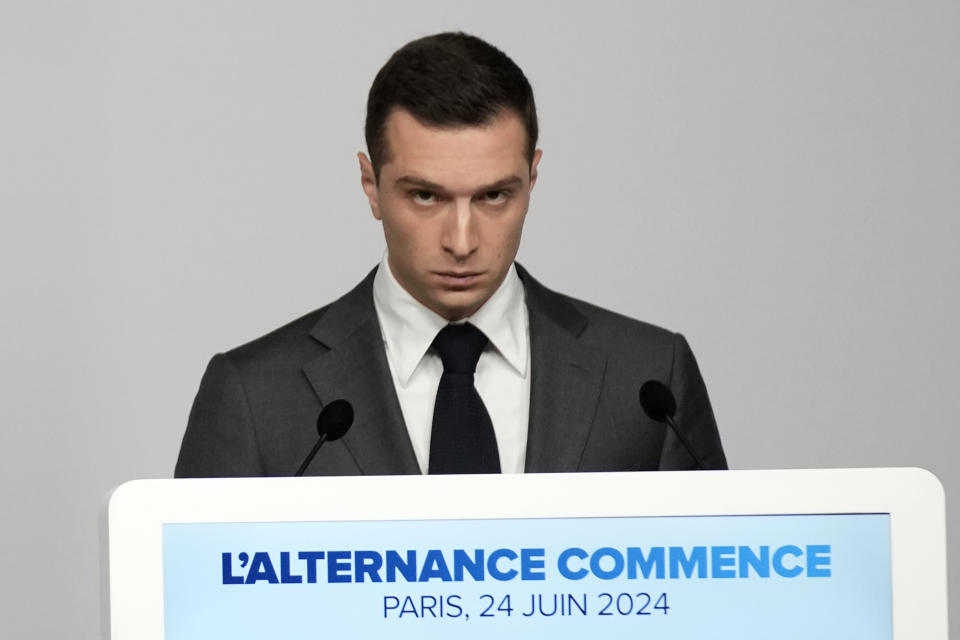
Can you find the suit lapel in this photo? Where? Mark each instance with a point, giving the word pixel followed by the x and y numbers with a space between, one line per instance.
pixel 355 368
pixel 566 379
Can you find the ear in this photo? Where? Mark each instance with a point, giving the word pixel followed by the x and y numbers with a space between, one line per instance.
pixel 368 180
pixel 533 167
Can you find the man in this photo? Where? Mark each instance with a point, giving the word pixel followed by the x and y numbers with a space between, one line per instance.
pixel 454 358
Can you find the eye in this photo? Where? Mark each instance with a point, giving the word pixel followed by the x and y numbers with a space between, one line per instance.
pixel 497 196
pixel 421 196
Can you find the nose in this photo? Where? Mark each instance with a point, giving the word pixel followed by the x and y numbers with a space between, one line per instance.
pixel 460 238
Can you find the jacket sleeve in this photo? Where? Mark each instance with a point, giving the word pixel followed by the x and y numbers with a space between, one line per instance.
pixel 694 416
pixel 220 440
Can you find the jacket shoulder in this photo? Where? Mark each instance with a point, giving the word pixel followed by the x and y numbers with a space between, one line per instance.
pixel 313 333
pixel 592 324
pixel 611 324
pixel 291 337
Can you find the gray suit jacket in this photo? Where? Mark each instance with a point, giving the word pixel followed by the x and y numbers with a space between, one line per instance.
pixel 255 413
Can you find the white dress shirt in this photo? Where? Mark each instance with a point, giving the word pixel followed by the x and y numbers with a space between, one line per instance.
pixel 503 372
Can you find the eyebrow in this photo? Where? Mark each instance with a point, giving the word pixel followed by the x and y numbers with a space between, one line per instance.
pixel 422 183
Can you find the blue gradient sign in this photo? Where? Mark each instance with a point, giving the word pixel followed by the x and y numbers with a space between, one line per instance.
pixel 783 576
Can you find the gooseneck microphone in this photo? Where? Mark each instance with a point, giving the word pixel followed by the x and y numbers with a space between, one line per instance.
pixel 660 405
pixel 334 421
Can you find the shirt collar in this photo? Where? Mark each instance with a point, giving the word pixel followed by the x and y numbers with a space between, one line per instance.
pixel 409 327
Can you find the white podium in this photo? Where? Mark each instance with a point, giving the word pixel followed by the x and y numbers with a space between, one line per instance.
pixel 680 555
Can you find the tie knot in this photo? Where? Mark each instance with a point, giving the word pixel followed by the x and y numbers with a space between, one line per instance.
pixel 460 346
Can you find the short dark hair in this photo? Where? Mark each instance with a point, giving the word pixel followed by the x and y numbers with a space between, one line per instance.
pixel 448 80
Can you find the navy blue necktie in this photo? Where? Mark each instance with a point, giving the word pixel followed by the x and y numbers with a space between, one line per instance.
pixel 462 440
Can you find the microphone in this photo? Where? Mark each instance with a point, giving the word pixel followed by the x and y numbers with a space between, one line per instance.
pixel 660 405
pixel 334 421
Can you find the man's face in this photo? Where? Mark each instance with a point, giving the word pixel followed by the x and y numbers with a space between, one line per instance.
pixel 452 202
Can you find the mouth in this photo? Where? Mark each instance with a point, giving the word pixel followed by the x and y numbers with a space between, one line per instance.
pixel 459 280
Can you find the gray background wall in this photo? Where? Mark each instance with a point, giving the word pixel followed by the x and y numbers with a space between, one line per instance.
pixel 777 180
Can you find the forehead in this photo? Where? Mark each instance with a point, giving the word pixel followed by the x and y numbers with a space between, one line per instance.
pixel 455 156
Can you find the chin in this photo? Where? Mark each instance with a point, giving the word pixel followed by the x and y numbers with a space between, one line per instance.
pixel 458 309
